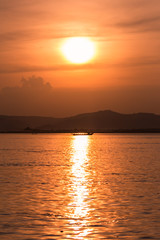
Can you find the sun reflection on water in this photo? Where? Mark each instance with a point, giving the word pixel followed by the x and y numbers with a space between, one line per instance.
pixel 79 187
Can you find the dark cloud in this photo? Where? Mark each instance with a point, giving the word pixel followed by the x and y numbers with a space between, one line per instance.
pixel 34 34
pixel 142 24
pixel 23 68
pixel 131 62
pixel 29 86
pixel 16 35
pixel 139 25
pixel 33 96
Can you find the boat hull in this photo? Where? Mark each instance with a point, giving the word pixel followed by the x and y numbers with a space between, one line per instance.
pixel 82 134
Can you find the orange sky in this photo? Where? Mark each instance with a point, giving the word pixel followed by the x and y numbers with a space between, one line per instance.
pixel 125 69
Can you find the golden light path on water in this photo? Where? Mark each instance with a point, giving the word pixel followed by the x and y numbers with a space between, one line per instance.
pixel 79 187
pixel 80 191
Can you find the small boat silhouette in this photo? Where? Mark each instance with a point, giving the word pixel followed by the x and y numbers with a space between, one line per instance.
pixel 82 133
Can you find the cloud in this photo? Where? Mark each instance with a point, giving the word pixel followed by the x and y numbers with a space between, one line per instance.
pixel 100 19
pixel 35 34
pixel 142 24
pixel 15 35
pixel 23 68
pixel 139 25
pixel 30 85
pixel 33 96
pixel 130 62
pixel 36 97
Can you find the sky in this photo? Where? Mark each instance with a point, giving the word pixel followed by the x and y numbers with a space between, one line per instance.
pixel 37 79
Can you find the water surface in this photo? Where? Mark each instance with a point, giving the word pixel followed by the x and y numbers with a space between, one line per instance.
pixel 59 186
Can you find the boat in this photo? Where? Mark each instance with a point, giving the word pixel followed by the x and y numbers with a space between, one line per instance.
pixel 82 133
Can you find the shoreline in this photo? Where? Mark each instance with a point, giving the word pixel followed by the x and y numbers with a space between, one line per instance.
pixel 37 131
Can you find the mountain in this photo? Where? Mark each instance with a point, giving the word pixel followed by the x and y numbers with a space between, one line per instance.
pixel 18 123
pixel 97 121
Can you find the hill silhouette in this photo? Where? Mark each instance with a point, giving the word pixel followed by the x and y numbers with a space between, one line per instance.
pixel 101 121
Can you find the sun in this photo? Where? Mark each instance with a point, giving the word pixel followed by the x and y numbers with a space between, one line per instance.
pixel 78 49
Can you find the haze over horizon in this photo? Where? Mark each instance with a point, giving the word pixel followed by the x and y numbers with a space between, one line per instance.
pixel 35 97
pixel 37 79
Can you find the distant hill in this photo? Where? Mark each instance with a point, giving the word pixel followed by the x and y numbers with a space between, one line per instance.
pixel 18 123
pixel 102 121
